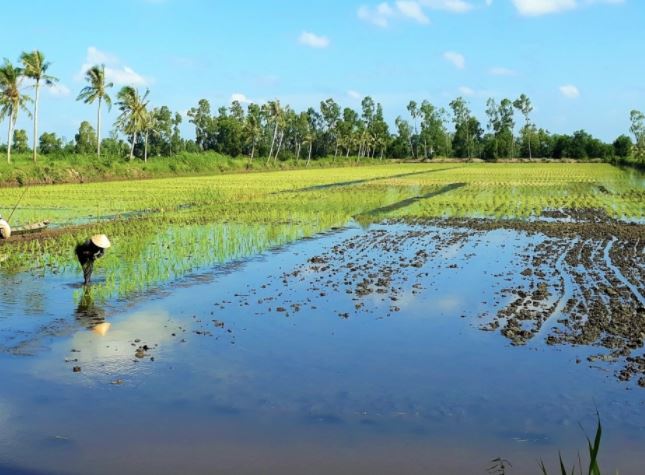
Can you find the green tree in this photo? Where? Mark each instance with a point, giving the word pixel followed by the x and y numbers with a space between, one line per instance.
pixel 543 143
pixel 330 112
pixel 529 138
pixel 310 135
pixel 11 98
pixel 494 126
pixel 201 118
pixel 35 67
pixel 176 142
pixel 160 142
pixel 380 131
pixel 637 128
pixel 150 125
pixel 578 145
pixel 114 146
pixel 507 125
pixel 462 140
pixel 20 141
pixel 299 125
pixel 523 104
pixel 404 134
pixel 133 119
pixel 253 127
pixel 229 135
pixel 347 129
pixel 467 129
pixel 368 107
pixel 96 90
pixel 85 138
pixel 500 124
pixel 622 146
pixel 49 143
pixel 434 136
pixel 414 111
pixel 275 115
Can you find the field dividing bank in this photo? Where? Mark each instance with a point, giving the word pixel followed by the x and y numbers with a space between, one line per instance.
pixel 164 228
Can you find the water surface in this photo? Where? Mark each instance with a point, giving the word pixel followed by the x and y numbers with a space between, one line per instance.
pixel 248 373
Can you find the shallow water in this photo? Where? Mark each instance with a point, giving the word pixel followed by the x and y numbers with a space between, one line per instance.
pixel 287 384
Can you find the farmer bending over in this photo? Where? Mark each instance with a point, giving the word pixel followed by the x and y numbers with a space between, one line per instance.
pixel 5 229
pixel 89 251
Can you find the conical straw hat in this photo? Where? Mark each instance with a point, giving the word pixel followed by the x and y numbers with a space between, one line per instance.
pixel 101 240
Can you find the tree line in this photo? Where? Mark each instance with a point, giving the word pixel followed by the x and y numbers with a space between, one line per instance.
pixel 275 131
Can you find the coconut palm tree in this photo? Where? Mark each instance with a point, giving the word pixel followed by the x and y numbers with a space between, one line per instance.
pixel 282 125
pixel 134 113
pixel 274 114
pixel 35 67
pixel 97 89
pixel 11 99
pixel 253 126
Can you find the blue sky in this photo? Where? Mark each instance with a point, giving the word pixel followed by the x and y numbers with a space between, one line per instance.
pixel 580 61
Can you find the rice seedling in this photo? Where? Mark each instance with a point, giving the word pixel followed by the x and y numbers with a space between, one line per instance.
pixel 163 229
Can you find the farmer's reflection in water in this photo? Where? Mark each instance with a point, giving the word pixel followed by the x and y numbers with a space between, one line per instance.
pixel 91 316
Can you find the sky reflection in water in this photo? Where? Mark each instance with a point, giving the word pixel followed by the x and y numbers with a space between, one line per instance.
pixel 421 388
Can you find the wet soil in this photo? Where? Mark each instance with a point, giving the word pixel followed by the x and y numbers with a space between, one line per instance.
pixel 581 285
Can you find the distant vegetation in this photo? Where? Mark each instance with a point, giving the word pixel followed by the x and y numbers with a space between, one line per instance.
pixel 275 132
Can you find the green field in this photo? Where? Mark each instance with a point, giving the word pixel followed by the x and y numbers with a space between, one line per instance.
pixel 165 228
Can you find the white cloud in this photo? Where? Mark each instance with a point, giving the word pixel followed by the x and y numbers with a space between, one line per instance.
pixel 412 10
pixel 58 90
pixel 125 76
pixel 455 58
pixel 454 6
pixel 119 74
pixel 354 94
pixel 569 91
pixel 379 15
pixel 241 98
pixel 382 14
pixel 95 56
pixel 544 7
pixel 501 71
pixel 466 91
pixel 314 41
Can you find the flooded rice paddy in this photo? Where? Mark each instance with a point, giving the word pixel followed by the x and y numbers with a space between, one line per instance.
pixel 422 319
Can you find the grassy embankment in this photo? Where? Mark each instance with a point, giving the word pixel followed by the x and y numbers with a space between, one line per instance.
pixel 52 169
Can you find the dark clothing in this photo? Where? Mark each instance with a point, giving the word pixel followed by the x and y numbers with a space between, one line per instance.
pixel 87 253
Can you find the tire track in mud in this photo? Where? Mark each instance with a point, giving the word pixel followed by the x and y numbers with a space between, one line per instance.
pixel 619 275
pixel 599 306
pixel 566 294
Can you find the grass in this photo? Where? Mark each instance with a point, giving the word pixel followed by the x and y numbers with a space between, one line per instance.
pixel 592 467
pixel 164 228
